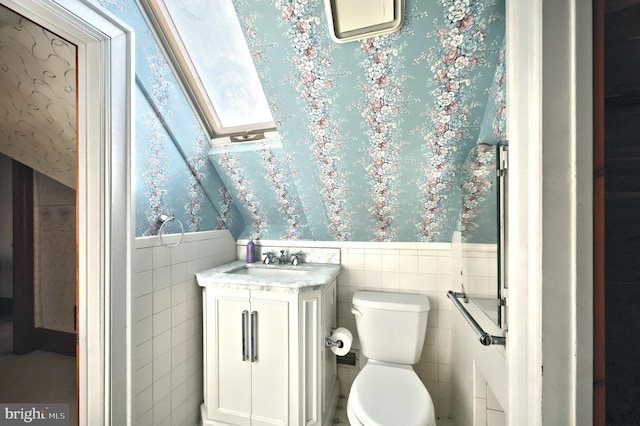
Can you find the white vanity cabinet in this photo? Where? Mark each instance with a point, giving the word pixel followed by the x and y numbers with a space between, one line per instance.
pixel 264 357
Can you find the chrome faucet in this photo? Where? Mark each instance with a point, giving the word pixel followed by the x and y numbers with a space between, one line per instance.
pixel 269 258
pixel 282 259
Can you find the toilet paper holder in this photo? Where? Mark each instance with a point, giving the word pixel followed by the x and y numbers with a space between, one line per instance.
pixel 330 343
pixel 339 341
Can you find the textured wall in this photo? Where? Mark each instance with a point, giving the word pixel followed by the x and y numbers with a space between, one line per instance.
pixel 37 98
pixel 54 226
pixel 374 132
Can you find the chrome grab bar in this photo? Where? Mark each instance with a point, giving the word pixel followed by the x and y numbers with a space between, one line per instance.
pixel 486 339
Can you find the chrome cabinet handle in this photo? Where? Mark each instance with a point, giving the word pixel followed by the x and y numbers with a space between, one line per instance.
pixel 245 324
pixel 254 336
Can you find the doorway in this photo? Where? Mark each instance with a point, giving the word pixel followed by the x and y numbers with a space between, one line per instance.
pixel 38 364
pixel 39 243
pixel 104 139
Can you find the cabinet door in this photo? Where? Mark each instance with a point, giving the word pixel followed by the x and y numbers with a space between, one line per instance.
pixel 232 398
pixel 270 367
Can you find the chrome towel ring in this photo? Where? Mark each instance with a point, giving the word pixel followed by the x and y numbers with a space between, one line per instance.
pixel 163 219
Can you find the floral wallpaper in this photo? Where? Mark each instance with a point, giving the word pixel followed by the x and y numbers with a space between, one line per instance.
pixel 374 133
pixel 479 181
pixel 456 61
pixel 173 174
pixel 479 211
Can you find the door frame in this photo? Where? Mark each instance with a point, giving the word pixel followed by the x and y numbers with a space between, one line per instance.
pixel 550 211
pixel 104 137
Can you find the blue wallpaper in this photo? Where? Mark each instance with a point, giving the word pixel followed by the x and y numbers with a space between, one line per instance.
pixel 374 133
pixel 172 173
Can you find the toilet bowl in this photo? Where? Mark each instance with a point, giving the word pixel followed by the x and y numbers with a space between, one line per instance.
pixel 388 392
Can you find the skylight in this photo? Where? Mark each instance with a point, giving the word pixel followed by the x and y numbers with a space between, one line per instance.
pixel 204 40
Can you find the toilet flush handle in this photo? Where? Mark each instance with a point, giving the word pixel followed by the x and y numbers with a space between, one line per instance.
pixel 356 312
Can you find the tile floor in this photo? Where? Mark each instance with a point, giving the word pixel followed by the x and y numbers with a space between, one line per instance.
pixel 341 413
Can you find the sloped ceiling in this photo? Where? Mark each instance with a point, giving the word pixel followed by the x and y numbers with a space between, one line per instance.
pixel 37 98
pixel 373 133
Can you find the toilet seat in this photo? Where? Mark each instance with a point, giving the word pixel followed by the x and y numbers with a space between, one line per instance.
pixel 386 394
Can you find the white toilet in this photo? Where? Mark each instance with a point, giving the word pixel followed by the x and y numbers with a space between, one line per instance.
pixel 387 392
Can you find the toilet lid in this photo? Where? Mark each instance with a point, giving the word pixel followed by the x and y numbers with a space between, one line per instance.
pixel 384 395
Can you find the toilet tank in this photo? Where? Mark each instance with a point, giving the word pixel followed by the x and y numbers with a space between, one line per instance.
pixel 391 326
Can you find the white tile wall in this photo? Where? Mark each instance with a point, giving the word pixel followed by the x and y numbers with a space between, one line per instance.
pixel 167 325
pixel 479 374
pixel 495 413
pixel 480 269
pixel 424 268
pixel 407 268
pixel 487 410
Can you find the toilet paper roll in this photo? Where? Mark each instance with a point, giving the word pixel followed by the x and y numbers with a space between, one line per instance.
pixel 343 335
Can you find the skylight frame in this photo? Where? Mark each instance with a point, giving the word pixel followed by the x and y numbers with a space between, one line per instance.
pixel 175 48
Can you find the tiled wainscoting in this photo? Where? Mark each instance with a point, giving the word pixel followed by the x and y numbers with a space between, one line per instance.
pixel 166 306
pixel 479 378
pixel 486 407
pixel 166 310
pixel 479 265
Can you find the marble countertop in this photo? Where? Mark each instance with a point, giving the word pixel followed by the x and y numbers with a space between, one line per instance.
pixel 315 276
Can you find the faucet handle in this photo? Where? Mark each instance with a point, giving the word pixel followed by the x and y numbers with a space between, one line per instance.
pixel 296 258
pixel 268 257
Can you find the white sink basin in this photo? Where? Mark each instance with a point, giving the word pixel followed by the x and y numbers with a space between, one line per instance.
pixel 274 272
